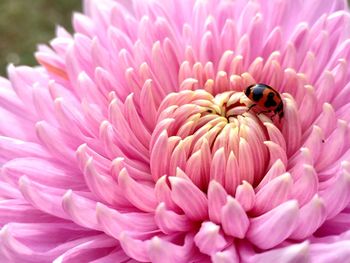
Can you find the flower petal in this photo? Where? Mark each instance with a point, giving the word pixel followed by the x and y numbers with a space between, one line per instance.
pixel 337 195
pixel 170 222
pixel 160 250
pixel 134 248
pixel 141 196
pixel 94 248
pixel 208 239
pixel 235 221
pixel 292 253
pixel 311 216
pixel 273 193
pixel 114 223
pixel 226 256
pixel 245 195
pixel 80 210
pixel 216 200
pixel 184 190
pixel 42 197
pixel 285 216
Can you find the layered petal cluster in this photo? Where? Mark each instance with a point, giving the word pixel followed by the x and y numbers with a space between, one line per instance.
pixel 133 141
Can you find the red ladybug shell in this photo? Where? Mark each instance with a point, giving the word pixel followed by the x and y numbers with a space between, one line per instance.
pixel 265 97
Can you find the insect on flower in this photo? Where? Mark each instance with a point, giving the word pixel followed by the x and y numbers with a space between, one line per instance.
pixel 265 97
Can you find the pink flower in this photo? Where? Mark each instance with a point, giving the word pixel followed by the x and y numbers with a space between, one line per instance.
pixel 132 142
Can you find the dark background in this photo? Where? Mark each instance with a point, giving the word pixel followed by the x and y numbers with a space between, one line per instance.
pixel 26 23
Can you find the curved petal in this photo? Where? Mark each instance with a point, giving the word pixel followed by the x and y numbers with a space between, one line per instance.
pixel 311 216
pixel 216 200
pixel 292 253
pixel 114 223
pixel 80 210
pixel 141 196
pixel 184 190
pixel 273 193
pixel 170 222
pixel 209 239
pixel 284 215
pixel 235 221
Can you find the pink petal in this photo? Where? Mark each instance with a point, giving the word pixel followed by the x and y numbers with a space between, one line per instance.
pixel 80 210
pixel 53 175
pixel 314 142
pixel 160 250
pixel 136 170
pixel 340 252
pixel 245 152
pixel 114 223
pixel 40 242
pixel 337 195
pixel 311 216
pixel 184 190
pixel 10 147
pixel 335 226
pixel 20 211
pixel 274 193
pixel 226 256
pixel 276 169
pixel 192 170
pixel 284 216
pixel 170 222
pixel 141 196
pixel 275 135
pixel 163 194
pixel 235 221
pixel 306 186
pixel 56 142
pixel 42 197
pixel 209 239
pixel 291 128
pixel 334 144
pixel 245 195
pixel 159 151
pixel 232 176
pixel 216 200
pixel 134 248
pixel 217 170
pixel 103 186
pixel 276 153
pixel 92 249
pixel 293 253
pixel 117 255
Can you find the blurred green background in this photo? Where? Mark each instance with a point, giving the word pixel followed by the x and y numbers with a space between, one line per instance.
pixel 26 23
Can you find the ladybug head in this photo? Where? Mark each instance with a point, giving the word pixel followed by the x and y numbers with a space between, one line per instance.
pixel 248 90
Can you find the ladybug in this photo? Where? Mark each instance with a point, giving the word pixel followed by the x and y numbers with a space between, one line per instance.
pixel 265 97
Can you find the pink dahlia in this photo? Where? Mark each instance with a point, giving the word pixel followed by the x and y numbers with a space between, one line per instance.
pixel 133 142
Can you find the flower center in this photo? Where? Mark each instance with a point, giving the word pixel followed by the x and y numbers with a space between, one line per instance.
pixel 209 138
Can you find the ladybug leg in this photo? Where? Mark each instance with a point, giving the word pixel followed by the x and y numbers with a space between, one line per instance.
pixel 251 106
pixel 280 116
pixel 266 111
pixel 279 119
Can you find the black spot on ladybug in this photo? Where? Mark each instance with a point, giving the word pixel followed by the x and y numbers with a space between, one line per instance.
pixel 270 101
pixel 258 94
pixel 279 110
